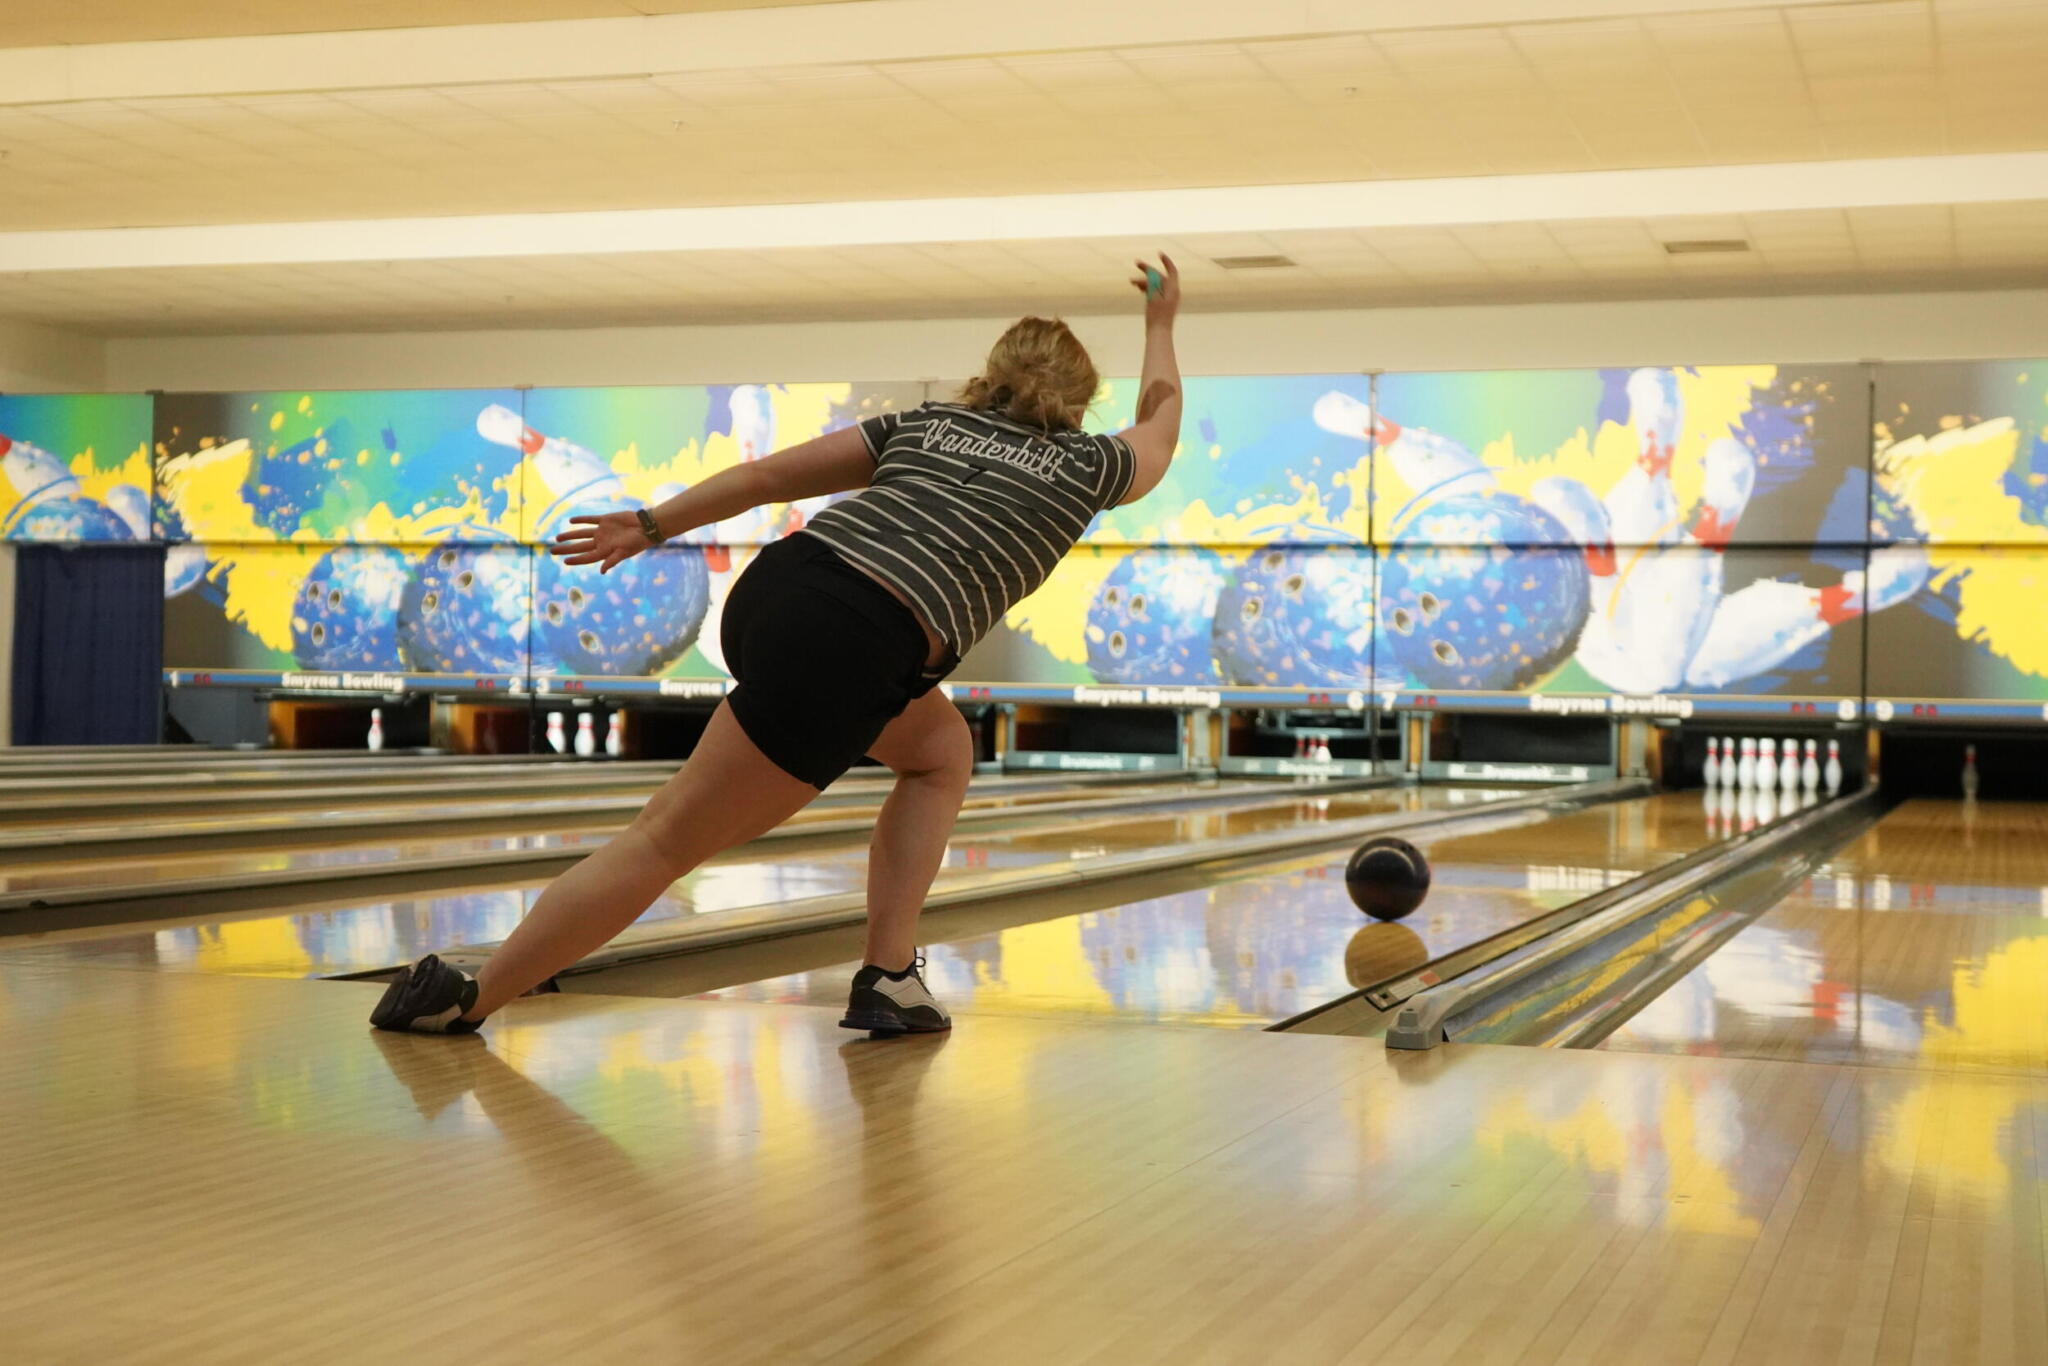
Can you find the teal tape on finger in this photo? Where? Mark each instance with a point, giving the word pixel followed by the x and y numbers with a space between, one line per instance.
pixel 1155 283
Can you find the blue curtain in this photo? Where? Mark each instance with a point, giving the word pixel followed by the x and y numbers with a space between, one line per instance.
pixel 88 644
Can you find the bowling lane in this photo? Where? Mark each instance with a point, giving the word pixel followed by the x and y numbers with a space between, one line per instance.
pixel 1922 945
pixel 340 937
pixel 1249 948
pixel 523 829
pixel 201 804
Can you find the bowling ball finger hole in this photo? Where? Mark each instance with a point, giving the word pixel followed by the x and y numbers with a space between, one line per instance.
pixel 465 581
pixel 334 599
pixel 430 603
pixel 1117 644
pixel 1432 606
pixel 1292 586
pixel 1445 652
pixel 554 613
pixel 319 633
pixel 1272 560
pixel 1402 621
pixel 447 559
pixel 1112 597
pixel 1251 610
pixel 1137 604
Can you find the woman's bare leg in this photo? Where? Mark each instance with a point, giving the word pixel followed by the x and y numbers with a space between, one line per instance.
pixel 932 753
pixel 726 794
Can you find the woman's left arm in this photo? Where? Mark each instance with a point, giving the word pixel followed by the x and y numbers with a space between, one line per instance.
pixel 833 463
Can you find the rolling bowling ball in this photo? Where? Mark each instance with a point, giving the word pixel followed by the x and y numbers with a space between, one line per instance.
pixel 1387 877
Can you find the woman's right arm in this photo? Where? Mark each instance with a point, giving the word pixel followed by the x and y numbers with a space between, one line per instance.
pixel 1156 434
pixel 833 463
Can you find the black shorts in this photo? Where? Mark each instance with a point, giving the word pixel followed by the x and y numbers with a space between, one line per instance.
pixel 823 658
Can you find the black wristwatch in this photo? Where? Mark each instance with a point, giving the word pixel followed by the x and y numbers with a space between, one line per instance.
pixel 649 528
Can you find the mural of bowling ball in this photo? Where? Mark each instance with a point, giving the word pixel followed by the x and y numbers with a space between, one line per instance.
pixel 465 610
pixel 346 612
pixel 1151 619
pixel 71 519
pixel 634 621
pixel 1473 599
pixel 1297 617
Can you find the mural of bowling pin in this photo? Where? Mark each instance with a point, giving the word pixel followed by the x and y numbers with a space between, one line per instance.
pixel 568 473
pixel 1642 507
pixel 1761 626
pixel 1433 466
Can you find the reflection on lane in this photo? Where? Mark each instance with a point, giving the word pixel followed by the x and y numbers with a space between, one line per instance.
pixel 1271 942
pixel 146 864
pixel 1924 944
pixel 373 936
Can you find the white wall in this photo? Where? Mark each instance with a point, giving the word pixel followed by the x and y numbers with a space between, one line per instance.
pixel 37 359
pixel 1705 331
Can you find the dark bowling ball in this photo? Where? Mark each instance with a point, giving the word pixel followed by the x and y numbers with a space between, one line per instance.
pixel 1387 878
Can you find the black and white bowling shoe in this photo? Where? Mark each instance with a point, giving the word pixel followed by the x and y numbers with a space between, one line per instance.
pixel 428 998
pixel 894 1002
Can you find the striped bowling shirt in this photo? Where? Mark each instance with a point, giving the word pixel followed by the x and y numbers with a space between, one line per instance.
pixel 968 512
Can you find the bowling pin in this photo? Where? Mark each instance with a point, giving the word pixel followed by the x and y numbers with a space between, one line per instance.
pixel 1766 764
pixel 1970 773
pixel 1322 751
pixel 376 728
pixel 614 734
pixel 1713 762
pixel 1745 767
pixel 557 741
pixel 1642 507
pixel 1300 748
pixel 1832 774
pixel 1809 772
pixel 586 734
pixel 1765 624
pixel 1788 768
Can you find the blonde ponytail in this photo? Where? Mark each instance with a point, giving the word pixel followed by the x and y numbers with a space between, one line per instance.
pixel 1038 373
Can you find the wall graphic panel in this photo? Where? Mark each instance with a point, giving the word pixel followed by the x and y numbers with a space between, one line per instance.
pixel 74 467
pixel 368 467
pixel 1718 455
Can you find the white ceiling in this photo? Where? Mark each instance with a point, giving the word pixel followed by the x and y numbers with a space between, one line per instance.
pixel 31 24
pixel 1724 87
pixel 1895 79
pixel 1986 245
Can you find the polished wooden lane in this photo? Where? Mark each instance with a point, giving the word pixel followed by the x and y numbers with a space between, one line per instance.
pixel 234 1170
pixel 351 935
pixel 1241 950
pixel 1923 945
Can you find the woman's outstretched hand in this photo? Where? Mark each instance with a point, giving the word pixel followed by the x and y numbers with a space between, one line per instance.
pixel 604 541
pixel 1162 304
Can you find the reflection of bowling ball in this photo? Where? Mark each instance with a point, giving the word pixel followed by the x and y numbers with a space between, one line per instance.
pixel 1297 617
pixel 71 519
pixel 1472 597
pixel 346 613
pixel 465 610
pixel 634 621
pixel 1380 952
pixel 1150 620
pixel 1387 877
